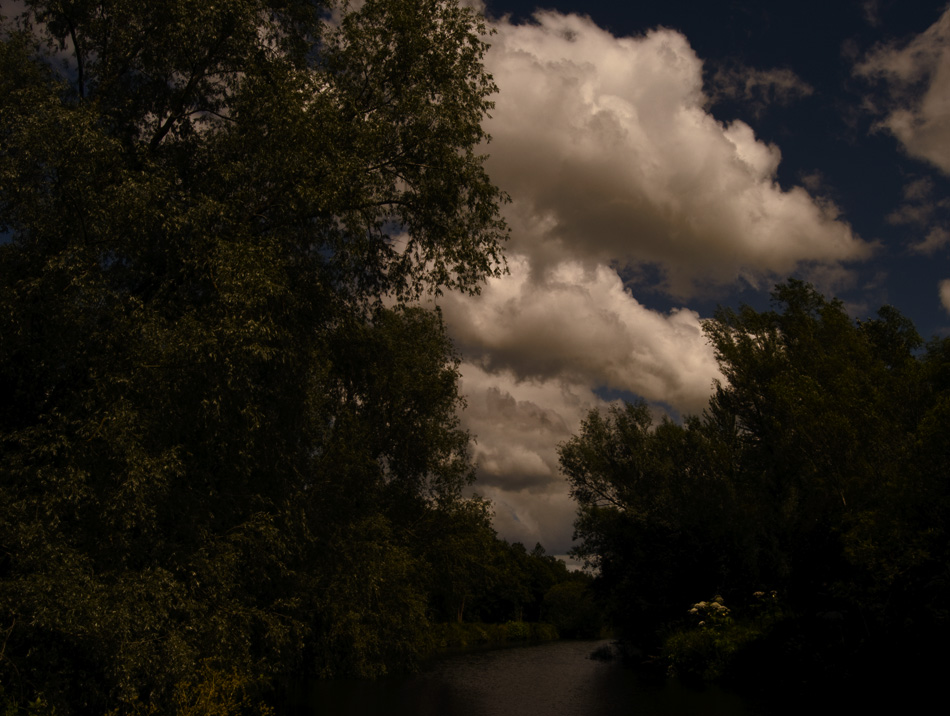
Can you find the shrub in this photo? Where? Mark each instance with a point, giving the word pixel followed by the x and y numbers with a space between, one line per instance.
pixel 707 649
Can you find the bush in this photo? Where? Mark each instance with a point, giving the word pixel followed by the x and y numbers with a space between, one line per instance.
pixel 542 631
pixel 708 648
pixel 218 693
pixel 517 631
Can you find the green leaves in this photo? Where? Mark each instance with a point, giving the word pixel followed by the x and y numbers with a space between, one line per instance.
pixel 807 471
pixel 215 217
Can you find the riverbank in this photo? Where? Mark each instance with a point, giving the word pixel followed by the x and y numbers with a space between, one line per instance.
pixel 462 635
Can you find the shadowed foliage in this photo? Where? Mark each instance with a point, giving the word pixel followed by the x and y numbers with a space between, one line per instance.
pixel 224 430
pixel 817 470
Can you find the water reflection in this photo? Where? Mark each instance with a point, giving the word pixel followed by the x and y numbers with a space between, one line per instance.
pixel 553 678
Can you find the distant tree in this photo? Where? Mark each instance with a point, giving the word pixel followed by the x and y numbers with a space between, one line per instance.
pixel 571 608
pixel 459 545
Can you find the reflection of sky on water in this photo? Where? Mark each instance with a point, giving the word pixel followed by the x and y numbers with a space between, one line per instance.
pixel 556 679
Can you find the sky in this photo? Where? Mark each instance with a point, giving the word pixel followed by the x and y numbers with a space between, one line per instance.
pixel 663 159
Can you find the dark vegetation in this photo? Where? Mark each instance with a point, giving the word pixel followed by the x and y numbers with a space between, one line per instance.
pixel 230 444
pixel 230 450
pixel 797 529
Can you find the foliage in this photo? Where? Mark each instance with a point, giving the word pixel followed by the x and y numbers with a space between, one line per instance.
pixel 817 467
pixel 460 545
pixel 460 635
pixel 520 579
pixel 217 693
pixel 223 422
pixel 705 653
pixel 645 523
pixel 571 608
pixel 479 577
pixel 708 646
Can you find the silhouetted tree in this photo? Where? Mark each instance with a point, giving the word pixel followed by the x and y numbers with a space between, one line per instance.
pixel 817 469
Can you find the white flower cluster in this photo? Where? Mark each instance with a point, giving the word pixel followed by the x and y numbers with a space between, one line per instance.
pixel 714 609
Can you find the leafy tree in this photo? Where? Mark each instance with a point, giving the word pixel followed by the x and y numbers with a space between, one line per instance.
pixel 824 410
pixel 460 546
pixel 653 515
pixel 817 469
pixel 216 432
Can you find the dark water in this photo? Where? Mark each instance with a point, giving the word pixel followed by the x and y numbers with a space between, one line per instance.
pixel 555 678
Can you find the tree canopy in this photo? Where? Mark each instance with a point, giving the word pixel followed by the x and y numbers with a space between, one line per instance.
pixel 816 471
pixel 226 428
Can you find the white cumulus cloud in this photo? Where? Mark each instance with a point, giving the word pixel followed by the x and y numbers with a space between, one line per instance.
pixel 579 323
pixel 917 76
pixel 608 152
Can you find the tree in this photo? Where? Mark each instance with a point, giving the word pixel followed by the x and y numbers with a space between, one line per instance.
pixel 215 427
pixel 570 607
pixel 655 515
pixel 817 470
pixel 460 544
pixel 825 410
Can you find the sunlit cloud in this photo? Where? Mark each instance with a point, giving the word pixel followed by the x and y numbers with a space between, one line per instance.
pixel 916 75
pixel 925 214
pixel 579 323
pixel 609 154
pixel 936 239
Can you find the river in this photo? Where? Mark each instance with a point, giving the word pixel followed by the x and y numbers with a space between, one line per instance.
pixel 554 678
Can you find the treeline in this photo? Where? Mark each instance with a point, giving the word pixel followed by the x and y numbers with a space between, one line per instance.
pixel 798 527
pixel 504 582
pixel 230 442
